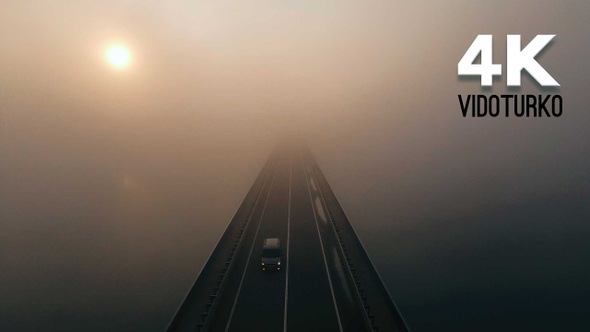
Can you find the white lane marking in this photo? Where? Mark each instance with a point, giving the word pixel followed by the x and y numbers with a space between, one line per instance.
pixel 312 182
pixel 288 242
pixel 325 261
pixel 320 210
pixel 231 314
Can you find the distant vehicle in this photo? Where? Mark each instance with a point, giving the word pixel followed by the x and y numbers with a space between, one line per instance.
pixel 272 255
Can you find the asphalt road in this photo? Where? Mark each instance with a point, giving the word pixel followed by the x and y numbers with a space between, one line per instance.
pixel 311 291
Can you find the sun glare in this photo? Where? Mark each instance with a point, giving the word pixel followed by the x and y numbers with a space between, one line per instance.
pixel 118 56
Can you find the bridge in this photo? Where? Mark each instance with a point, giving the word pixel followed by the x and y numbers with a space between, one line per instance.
pixel 327 281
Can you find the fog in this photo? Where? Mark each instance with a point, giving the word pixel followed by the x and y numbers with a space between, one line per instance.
pixel 115 185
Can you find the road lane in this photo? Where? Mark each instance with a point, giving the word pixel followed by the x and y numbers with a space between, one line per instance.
pixel 219 317
pixel 260 303
pixel 311 304
pixel 287 254
pixel 350 312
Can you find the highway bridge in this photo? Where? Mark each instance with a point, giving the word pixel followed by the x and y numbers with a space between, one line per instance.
pixel 327 281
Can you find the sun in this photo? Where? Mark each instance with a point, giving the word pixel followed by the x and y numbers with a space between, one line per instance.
pixel 118 56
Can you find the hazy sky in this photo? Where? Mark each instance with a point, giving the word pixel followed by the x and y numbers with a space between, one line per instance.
pixel 116 184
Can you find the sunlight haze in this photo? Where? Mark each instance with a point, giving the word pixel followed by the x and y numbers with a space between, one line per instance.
pixel 130 132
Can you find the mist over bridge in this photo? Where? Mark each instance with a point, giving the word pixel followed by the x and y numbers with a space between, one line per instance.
pixel 327 281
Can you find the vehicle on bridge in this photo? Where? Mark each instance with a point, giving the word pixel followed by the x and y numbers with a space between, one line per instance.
pixel 272 255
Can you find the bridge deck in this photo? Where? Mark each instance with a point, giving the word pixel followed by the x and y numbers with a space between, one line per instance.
pixel 326 283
